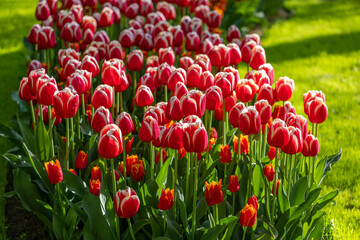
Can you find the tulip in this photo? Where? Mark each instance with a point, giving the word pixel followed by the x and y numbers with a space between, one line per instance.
pixel 166 199
pixel 103 96
pixel 101 118
pixel 80 80
pixel 206 81
pixel 174 137
pixel 284 88
pixel 42 11
pixel 149 129
pixel 162 153
pixel 129 144
pixel 214 98
pixel 317 110
pixel 233 54
pixel 233 33
pixel 114 50
pixel 73 171
pixel 164 72
pixel 234 183
pixel 89 22
pixel 157 113
pixel 166 55
pixel 218 56
pixel 249 121
pixel 186 62
pixel 192 41
pixel 71 32
pixel 135 60
pixel 269 172
pixel 278 135
pixel 34 65
pixel 193 76
pixel 268 93
pixel 248 216
pixel 264 110
pixel 25 90
pixel 178 75
pixel 178 35
pixel 173 109
pixel 253 201
pixel 246 90
pixel 126 203
pixel 297 121
pixel 81 160
pixel 90 64
pixel 64 55
pixel 143 96
pixel 70 67
pixel 167 9
pixel 213 193
pixel 33 34
pixel 203 61
pixel 126 38
pixel 213 19
pixel 163 40
pixel 195 137
pixel 132 10
pixel 137 171
pixel 46 38
pixel 54 171
pixel 95 173
pixel 66 102
pixel 269 70
pixel 234 116
pixel 244 141
pixel 110 142
pixel 257 57
pixel 295 143
pixel 193 103
pixel 225 154
pixel 125 123
pixel 180 90
pixel 272 153
pixel 112 72
pixel 277 187
pixel 95 186
pixel 285 109
pixel 311 95
pixel 311 146
pixel 107 17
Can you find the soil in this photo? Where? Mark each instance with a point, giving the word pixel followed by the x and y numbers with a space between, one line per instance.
pixel 21 224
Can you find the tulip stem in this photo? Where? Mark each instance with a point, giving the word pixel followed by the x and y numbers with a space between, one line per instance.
pixel 51 133
pixel 164 226
pixel 78 125
pixel 224 123
pixel 121 103
pixel 264 142
pixel 225 170
pixel 67 144
pixel 117 103
pixel 131 229
pixel 245 228
pixel 32 115
pixel 275 185
pixel 114 192
pixel 250 166
pixel 187 179
pixel 208 132
pixel 152 165
pixel 233 204
pixel 42 130
pixel 166 93
pixel 175 168
pixel 134 83
pixel 83 104
pixel 195 196
pixel 239 145
pixel 72 134
pixel 124 160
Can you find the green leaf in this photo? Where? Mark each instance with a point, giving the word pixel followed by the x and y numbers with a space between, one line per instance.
pixel 329 161
pixel 296 212
pixel 74 183
pixel 87 232
pixel 150 189
pixel 201 208
pixel 180 200
pixel 10 194
pixel 317 229
pixel 58 226
pixel 161 177
pixel 213 233
pixel 258 180
pixel 137 226
pixel 173 229
pixel 282 199
pixel 228 220
pixel 42 139
pixel 10 134
pixel 207 174
pixel 28 136
pixel 100 228
pixel 325 200
pixel 297 194
pixel 244 184
pixel 229 230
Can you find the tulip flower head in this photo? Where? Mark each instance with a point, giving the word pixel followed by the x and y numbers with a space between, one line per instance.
pixel 166 199
pixel 213 193
pixel 126 203
pixel 54 171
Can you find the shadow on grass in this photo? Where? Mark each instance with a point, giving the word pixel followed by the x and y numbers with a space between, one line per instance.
pixel 331 44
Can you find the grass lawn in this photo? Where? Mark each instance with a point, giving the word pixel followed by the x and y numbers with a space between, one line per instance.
pixel 17 17
pixel 319 47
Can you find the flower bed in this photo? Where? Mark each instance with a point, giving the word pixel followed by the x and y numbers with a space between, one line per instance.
pixel 72 166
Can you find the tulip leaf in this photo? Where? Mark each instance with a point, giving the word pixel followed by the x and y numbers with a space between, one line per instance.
pixel 317 226
pixel 244 184
pixel 10 134
pixel 282 199
pixel 43 141
pixel 149 190
pixel 230 227
pixel 137 226
pixel 173 229
pixel 213 233
pixel 100 228
pixel 207 173
pixel 324 166
pixel 258 180
pixel 161 177
pixel 28 137
pixel 296 212
pixel 323 201
pixel 87 232
pixel 16 161
pixel 183 214
pixel 58 227
pixel 201 208
pixel 297 194
pixel 74 183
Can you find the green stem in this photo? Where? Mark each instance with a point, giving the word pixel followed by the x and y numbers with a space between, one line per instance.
pixel 72 134
pixel 131 229
pixel 164 226
pixel 78 124
pixel 239 145
pixel 152 164
pixel 121 103
pixel 264 142
pixel 245 228
pixel 195 196
pixel 134 83
pixel 208 132
pixel 83 104
pixel 32 115
pixel 165 93
pixel 187 187
pixel 250 167
pixel 275 185
pixel 225 170
pixel 233 204
pixel 290 172
pixel 117 103
pixel 175 168
pixel 217 214
pixel 114 192
pixel 67 144
pixel 51 133
pixel 43 133
pixel 224 123
pixel 124 160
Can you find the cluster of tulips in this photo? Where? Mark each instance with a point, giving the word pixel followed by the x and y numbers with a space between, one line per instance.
pixel 138 93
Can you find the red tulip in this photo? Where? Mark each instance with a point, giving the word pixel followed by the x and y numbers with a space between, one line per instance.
pixel 269 172
pixel 137 171
pixel 71 32
pixel 42 11
pixel 186 62
pixel 218 56
pixel 317 110
pixel 34 65
pixel 178 75
pixel 257 57
pixel 260 77
pixel 126 38
pixel 244 141
pixel 173 109
pixel 101 118
pixel 213 193
pixel 70 67
pixel 115 50
pixel 225 154
pixel 174 137
pixel 192 41
pixel 81 160
pixel 66 102
pixel 234 116
pixel 195 137
pixel 135 60
pixel 249 121
pixel 107 17
pixel 268 68
pixel 158 113
pixel 246 90
pixel 80 80
pixel 110 141
pixel 180 90
pixel 284 88
pixel 25 90
pixel 193 76
pixel 90 64
pixel 233 54
pixel 253 201
pixel 278 135
pixel 95 186
pixel 193 103
pixel 201 11
pixel 132 10
pixel 103 96
pixel 89 22
pixel 297 121
pixel 46 87
pixel 295 143
pixel 95 173
pixel 54 171
pixel 126 203
pixel 311 95
pixel 178 35
pixel 73 171
pixel 163 73
pixel 311 146
pixel 112 72
pixel 272 153
pixel 143 96
pixel 206 81
pixel 152 61
pixel 166 199
pixel 214 98
pixel 213 19
pixel 125 123
pixel 234 183
pixel 129 144
pixel 163 40
pixel 264 109
pixel 33 35
pixel 286 108
pixel 64 55
pixel 166 55
pixel 46 38
pixel 268 93
pixel 167 9
pixel 146 7
pixel 248 216
pixel 93 52
pixel 149 129
pixel 233 33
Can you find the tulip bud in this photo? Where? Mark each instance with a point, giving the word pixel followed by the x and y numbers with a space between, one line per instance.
pixel 101 118
pixel 317 110
pixel 126 38
pixel 149 129
pixel 125 123
pixel 269 172
pixel 143 96
pixel 166 55
pixel 234 116
pixel 110 142
pixel 206 81
pixel 195 137
pixel 268 68
pixel 54 171
pixel 95 186
pixel 186 62
pixel 103 96
pixel 193 76
pixel 266 92
pixel 90 64
pixel 225 154
pixel 192 41
pixel 71 32
pixel 46 38
pixel 246 50
pixel 137 171
pixel 246 90
pixel 233 54
pixel 173 109
pixel 284 88
pixel 234 183
pixel 180 90
pixel 248 216
pixel 295 143
pixel 42 11
pixel 115 50
pixel 214 98
pixel 193 103
pixel 249 121
pixel 126 203
pixel 107 17
pixel 311 146
pixel 66 102
pixel 135 60
pixel 25 90
pixel 81 160
pixel 213 193
pixel 257 57
pixel 264 109
pixel 33 35
pixel 232 33
pixel 166 199
pixel 278 135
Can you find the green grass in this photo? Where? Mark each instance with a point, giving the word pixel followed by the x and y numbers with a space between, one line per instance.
pixel 16 17
pixel 319 47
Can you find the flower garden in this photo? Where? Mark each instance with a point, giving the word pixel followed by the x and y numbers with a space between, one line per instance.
pixel 144 119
